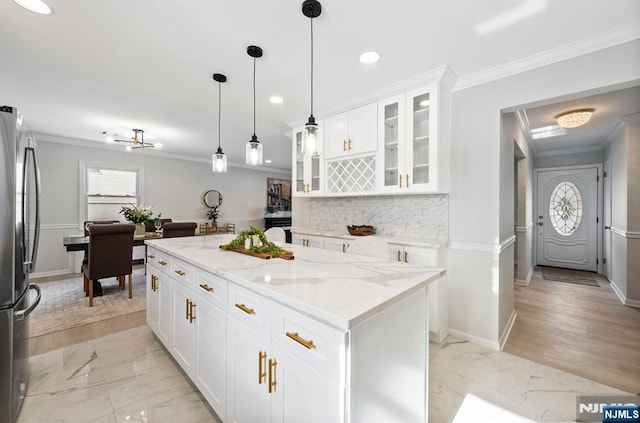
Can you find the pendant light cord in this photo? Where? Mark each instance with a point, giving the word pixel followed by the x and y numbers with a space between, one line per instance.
pixel 219 110
pixel 254 96
pixel 311 66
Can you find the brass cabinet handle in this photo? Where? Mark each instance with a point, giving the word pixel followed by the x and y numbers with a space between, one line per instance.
pixel 344 145
pixel 187 308
pixel 400 181
pixel 261 368
pixel 192 307
pixel 349 144
pixel 154 287
pixel 245 309
pixel 307 344
pixel 406 257
pixel 151 256
pixel 406 180
pixel 180 272
pixel 164 263
pixel 343 248
pixel 272 375
pixel 206 287
pixel 399 259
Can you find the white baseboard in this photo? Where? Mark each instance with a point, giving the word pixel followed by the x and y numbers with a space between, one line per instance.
pixel 618 292
pixel 527 281
pixel 478 340
pixel 632 303
pixel 438 337
pixel 51 273
pixel 507 330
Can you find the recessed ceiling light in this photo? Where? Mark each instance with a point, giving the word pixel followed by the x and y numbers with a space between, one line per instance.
pixel 157 145
pixel 369 57
pixel 276 100
pixel 36 6
pixel 268 161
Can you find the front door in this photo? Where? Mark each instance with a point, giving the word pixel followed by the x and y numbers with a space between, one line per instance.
pixel 566 218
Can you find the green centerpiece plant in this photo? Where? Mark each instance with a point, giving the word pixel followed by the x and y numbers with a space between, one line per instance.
pixel 257 240
pixel 140 215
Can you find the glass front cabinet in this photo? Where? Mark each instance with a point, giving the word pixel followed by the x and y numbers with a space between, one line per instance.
pixel 408 142
pixel 308 171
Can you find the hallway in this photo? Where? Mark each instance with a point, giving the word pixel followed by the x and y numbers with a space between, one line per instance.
pixel 581 329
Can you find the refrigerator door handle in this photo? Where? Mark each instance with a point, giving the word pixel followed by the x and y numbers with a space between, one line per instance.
pixel 22 314
pixel 31 264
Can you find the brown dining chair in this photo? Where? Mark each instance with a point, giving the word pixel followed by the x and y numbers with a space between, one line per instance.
pixel 176 229
pixel 110 251
pixel 88 223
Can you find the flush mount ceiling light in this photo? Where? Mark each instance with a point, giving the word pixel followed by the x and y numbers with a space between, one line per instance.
pixel 138 143
pixel 369 57
pixel 276 99
pixel 253 155
pixel 36 6
pixel 311 9
pixel 574 118
pixel 219 159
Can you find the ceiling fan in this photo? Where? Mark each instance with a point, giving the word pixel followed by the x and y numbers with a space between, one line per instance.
pixel 138 142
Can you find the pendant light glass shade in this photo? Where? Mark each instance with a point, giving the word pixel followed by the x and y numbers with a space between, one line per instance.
pixel 311 9
pixel 219 159
pixel 253 150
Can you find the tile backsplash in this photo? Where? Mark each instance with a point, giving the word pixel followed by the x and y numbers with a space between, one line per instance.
pixel 414 216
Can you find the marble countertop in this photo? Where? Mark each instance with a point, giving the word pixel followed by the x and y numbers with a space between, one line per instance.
pixel 339 289
pixel 391 239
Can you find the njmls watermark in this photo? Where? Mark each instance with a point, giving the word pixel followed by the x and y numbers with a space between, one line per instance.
pixel 608 408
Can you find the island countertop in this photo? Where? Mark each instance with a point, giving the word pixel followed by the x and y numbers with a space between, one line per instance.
pixel 339 289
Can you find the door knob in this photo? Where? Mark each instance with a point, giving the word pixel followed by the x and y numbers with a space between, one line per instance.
pixel 607 227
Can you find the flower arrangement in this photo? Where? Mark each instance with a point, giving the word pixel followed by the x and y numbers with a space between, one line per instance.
pixel 138 214
pixel 213 213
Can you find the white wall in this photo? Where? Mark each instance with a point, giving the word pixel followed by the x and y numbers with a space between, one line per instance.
pixel 173 187
pixel 478 198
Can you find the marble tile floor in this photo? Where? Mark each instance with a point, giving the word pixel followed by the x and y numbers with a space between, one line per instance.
pixel 128 376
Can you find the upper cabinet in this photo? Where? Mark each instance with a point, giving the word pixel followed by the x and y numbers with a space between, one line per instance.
pixel 408 151
pixel 308 171
pixel 353 132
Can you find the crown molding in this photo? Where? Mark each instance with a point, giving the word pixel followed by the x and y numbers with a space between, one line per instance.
pixel 587 45
pixel 39 136
pixel 622 123
pixel 576 150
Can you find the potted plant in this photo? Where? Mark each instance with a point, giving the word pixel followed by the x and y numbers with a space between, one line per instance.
pixel 213 214
pixel 139 215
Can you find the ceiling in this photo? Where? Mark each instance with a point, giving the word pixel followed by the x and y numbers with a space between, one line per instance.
pixel 96 66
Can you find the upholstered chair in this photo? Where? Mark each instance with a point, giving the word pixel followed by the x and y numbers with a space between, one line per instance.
pixel 176 229
pixel 88 223
pixel 110 251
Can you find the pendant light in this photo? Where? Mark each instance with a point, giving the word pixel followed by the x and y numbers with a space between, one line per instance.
pixel 254 148
pixel 219 159
pixel 311 9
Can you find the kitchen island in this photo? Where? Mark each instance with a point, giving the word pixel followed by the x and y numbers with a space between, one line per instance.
pixel 326 337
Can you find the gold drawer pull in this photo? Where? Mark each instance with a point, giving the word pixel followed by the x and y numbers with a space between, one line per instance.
pixel 180 272
pixel 400 181
pixel 164 263
pixel 151 256
pixel 406 180
pixel 399 256
pixel 245 309
pixel 307 344
pixel 262 373
pixel 272 375
pixel 192 307
pixel 349 144
pixel 206 287
pixel 344 145
pixel 406 257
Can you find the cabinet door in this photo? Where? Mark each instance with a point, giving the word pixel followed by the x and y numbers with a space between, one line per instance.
pixel 152 300
pixel 315 241
pixel 421 141
pixel 165 309
pixel 336 134
pixel 184 328
pixel 363 129
pixel 420 256
pixel 298 239
pixel 297 168
pixel 336 244
pixel 302 394
pixel 211 328
pixel 307 171
pixel 391 128
pixel 248 398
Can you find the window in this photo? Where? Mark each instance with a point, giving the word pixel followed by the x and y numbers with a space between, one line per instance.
pixel 105 189
pixel 565 208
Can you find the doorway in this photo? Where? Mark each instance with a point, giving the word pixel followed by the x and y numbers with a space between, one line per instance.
pixel 567 217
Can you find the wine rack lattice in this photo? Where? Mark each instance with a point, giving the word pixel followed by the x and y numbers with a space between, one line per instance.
pixel 352 175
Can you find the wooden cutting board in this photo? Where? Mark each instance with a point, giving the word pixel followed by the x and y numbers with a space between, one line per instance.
pixel 286 255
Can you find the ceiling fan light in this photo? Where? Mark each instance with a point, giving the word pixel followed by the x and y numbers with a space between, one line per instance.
pixel 574 118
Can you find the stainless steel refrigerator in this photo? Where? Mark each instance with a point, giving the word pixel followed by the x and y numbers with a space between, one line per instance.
pixel 19 232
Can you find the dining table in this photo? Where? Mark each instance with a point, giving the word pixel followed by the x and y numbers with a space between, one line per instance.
pixel 81 243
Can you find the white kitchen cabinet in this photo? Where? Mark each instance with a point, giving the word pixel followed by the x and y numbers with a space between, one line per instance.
pixel 183 346
pixel 306 240
pixel 336 244
pixel 352 132
pixel 421 256
pixel 153 299
pixel 409 142
pixel 159 287
pixel 307 170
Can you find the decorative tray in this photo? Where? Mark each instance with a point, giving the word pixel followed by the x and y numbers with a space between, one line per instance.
pixel 285 255
pixel 360 230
